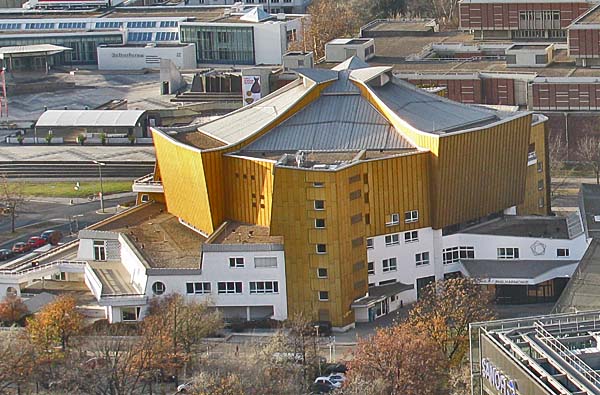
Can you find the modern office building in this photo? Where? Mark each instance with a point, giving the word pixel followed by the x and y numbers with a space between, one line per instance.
pixel 271 6
pixel 520 19
pixel 223 35
pixel 554 354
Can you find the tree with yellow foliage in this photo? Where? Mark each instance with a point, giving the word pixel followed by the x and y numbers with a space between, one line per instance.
pixel 55 324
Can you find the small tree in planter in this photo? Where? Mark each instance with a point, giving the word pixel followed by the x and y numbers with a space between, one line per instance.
pixel 131 138
pixel 49 137
pixel 20 139
pixel 81 139
pixel 103 138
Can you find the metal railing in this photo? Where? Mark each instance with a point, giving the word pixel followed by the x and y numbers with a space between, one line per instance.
pixel 148 179
pixel 41 268
pixel 573 360
pixel 45 255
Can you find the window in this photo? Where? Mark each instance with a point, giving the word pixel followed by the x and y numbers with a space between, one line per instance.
pixel 319 223
pixel 321 249
pixel 322 272
pixel 392 239
pixel 99 250
pixel 264 287
pixel 541 202
pixel 229 287
pixel 158 288
pixel 265 261
pixel 392 219
pixel 130 313
pixel 145 198
pixel 167 36
pixel 369 243
pixel 389 265
pixel 198 288
pixel 540 185
pixel 411 237
pixel 168 24
pixel 319 205
pixel 236 262
pixel 411 216
pixel 71 25
pixel 141 24
pixel 108 25
pixel 540 167
pixel 318 184
pixel 10 26
pixel 562 252
pixel 422 258
pixel 139 36
pixel 455 254
pixel 508 253
pixel 291 35
pixel 386 282
pixel 323 296
pixel 370 268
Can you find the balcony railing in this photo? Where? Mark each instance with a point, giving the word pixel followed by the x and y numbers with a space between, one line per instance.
pixel 147 183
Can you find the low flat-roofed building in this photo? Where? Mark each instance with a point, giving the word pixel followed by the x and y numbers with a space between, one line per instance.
pixel 341 49
pixel 553 354
pixel 529 55
pixel 145 56
pixel 399 28
pixel 147 252
pixel 92 123
pixel 584 38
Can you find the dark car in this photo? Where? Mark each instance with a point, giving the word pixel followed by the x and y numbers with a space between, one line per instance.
pixel 20 247
pixel 52 236
pixel 320 388
pixel 36 242
pixel 322 328
pixel 6 254
pixel 335 368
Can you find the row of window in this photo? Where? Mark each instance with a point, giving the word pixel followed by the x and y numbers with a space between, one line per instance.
pixel 71 25
pixel 391 264
pixel 108 25
pixel 455 254
pixel 394 239
pixel 259 262
pixel 167 36
pixel 82 25
pixel 230 287
pixel 139 36
pixel 141 24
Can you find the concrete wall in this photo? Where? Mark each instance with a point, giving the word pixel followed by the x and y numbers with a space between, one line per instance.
pixel 137 58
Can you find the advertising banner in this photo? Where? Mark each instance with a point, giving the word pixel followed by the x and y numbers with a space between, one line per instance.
pixel 250 89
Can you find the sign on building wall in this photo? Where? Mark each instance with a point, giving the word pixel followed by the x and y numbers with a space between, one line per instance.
pixel 250 89
pixel 503 384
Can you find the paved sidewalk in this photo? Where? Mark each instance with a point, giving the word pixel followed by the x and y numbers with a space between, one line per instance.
pixel 69 201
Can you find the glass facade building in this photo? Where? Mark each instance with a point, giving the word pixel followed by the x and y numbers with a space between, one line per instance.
pixel 83 45
pixel 221 44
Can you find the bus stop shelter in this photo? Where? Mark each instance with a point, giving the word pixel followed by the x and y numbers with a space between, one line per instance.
pixel 29 56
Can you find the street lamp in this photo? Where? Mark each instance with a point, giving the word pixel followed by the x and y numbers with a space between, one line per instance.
pixel 100 164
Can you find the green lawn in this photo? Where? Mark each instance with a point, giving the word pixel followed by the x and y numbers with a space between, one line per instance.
pixel 67 188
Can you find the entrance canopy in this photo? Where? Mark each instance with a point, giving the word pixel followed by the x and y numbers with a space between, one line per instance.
pixel 517 272
pixel 23 51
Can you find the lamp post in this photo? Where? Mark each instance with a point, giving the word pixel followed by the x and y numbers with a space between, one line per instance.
pixel 100 164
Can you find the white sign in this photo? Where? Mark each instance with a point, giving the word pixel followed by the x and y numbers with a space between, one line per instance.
pixel 250 89
pixel 506 281
pixel 503 384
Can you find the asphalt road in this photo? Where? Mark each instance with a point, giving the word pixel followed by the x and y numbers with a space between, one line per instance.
pixel 58 215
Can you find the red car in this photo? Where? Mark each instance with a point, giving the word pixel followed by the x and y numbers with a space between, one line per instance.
pixel 21 247
pixel 36 242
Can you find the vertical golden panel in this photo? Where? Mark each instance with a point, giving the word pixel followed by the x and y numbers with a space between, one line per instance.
pixel 537 173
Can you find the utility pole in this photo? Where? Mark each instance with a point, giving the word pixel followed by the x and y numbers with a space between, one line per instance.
pixel 100 164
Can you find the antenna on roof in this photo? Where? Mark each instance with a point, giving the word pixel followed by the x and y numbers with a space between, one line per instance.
pixel 300 158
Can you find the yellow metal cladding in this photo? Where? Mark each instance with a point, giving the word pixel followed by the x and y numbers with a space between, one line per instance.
pixel 537 184
pixel 473 173
pixel 249 190
pixel 184 182
pixel 357 200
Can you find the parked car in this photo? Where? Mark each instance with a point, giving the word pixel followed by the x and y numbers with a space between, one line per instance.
pixel 20 247
pixel 183 388
pixel 327 381
pixel 337 377
pixel 36 242
pixel 52 236
pixel 6 254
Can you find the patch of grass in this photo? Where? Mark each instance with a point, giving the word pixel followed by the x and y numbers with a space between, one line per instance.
pixel 67 188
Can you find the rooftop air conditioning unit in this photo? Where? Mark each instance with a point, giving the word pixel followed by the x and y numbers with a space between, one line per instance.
pixel 596 218
pixel 281 16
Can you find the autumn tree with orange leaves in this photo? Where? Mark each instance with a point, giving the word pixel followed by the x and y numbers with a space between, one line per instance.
pixel 55 324
pixel 444 311
pixel 12 309
pixel 397 360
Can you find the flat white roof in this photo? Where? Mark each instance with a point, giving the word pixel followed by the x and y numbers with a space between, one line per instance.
pixel 74 118
pixel 23 50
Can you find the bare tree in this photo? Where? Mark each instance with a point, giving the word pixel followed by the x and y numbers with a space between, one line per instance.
pixel 16 360
pixel 559 172
pixel 12 197
pixel 588 151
